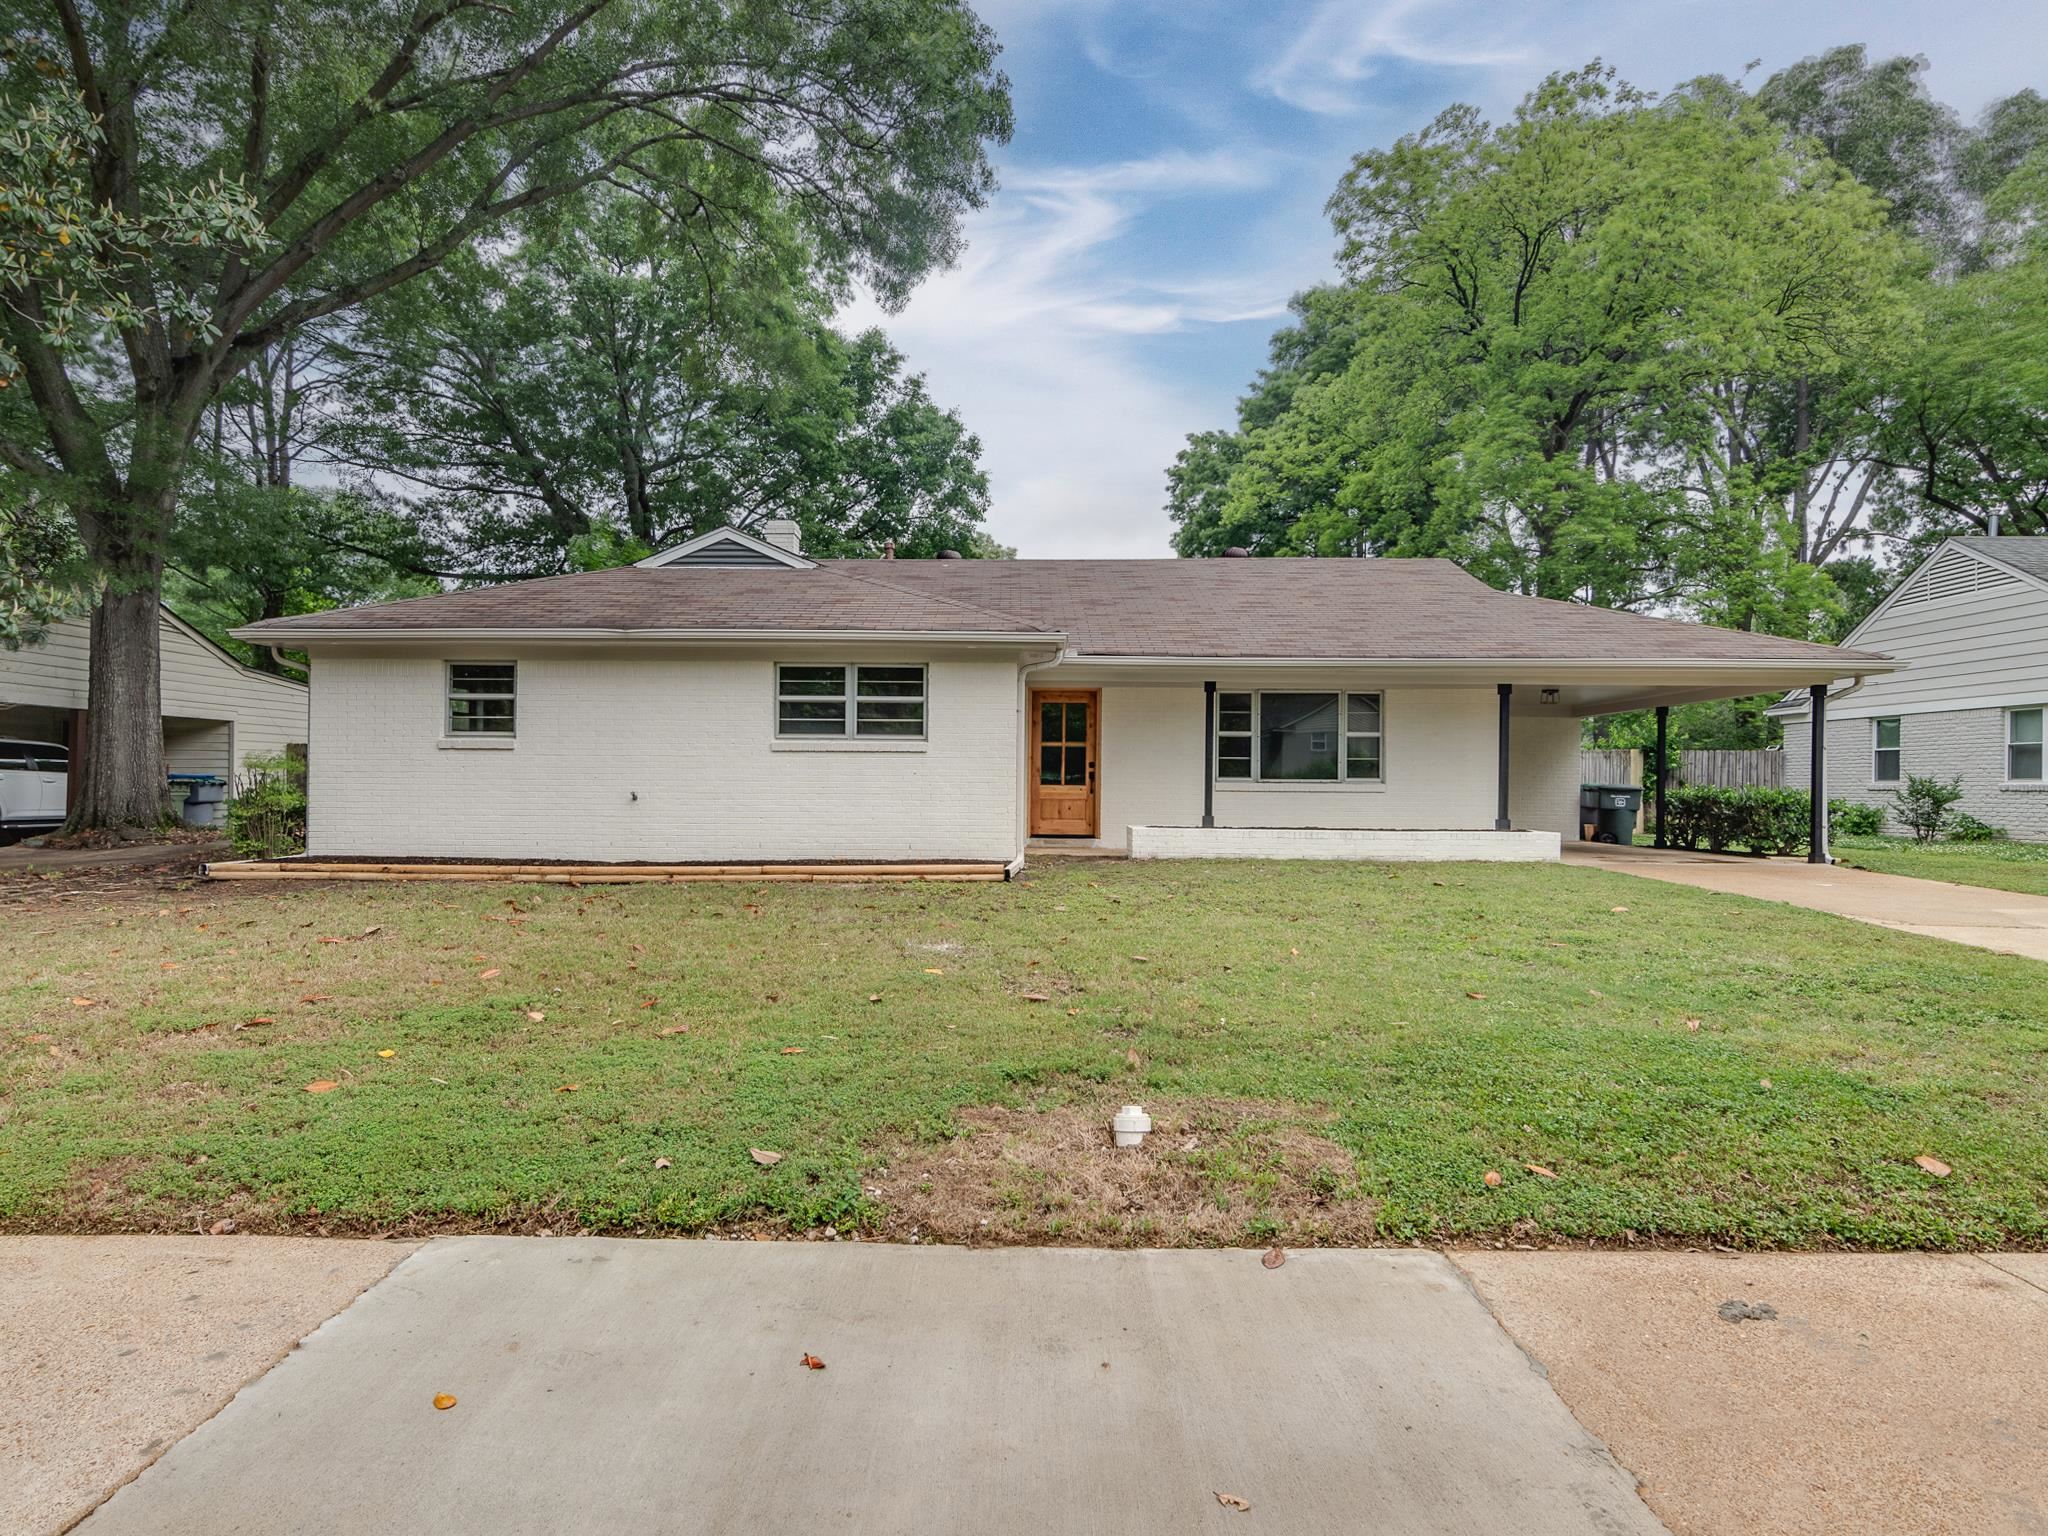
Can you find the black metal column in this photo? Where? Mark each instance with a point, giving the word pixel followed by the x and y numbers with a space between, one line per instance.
pixel 1663 766
pixel 1209 754
pixel 1500 818
pixel 1817 775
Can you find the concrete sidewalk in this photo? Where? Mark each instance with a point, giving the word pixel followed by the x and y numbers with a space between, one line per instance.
pixel 2008 922
pixel 609 1385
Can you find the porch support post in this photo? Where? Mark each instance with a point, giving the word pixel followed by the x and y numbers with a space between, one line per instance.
pixel 1500 817
pixel 1663 765
pixel 1817 775
pixel 1209 754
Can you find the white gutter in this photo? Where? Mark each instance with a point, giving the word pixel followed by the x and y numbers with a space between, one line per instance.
pixel 1838 666
pixel 264 635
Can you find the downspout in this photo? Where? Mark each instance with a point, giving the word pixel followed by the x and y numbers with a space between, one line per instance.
pixel 1209 753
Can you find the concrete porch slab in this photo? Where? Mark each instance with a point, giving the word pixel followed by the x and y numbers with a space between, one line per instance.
pixel 609 1385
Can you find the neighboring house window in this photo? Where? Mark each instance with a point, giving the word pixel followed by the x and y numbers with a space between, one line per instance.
pixel 482 698
pixel 2023 745
pixel 849 701
pixel 1884 756
pixel 1294 737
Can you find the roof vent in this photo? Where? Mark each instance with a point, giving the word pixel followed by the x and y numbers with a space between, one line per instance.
pixel 950 554
pixel 1237 552
pixel 783 533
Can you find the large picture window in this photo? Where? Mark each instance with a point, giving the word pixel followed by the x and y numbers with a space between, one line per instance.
pixel 2023 740
pixel 482 698
pixel 1298 738
pixel 1884 751
pixel 849 701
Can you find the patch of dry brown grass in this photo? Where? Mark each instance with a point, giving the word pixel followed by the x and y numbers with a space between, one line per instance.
pixel 1213 1173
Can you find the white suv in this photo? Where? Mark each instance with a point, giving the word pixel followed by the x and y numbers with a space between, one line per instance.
pixel 33 778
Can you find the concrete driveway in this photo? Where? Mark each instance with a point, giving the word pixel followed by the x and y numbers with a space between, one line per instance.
pixel 2006 921
pixel 607 1385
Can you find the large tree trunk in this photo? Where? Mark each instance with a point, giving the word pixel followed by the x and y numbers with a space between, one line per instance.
pixel 124 754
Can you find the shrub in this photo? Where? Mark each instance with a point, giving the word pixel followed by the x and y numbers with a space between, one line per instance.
pixel 1848 818
pixel 1761 820
pixel 1968 829
pixel 267 813
pixel 1922 805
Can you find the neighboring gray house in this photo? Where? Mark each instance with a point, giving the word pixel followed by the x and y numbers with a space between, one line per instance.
pixel 1971 701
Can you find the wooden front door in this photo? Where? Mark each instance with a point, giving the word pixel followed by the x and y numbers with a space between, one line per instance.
pixel 1063 755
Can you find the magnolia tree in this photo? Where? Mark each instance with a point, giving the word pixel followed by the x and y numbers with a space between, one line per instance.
pixel 184 187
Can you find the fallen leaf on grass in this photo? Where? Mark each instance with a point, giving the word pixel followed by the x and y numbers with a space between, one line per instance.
pixel 487 975
pixel 1147 959
pixel 317 997
pixel 813 1363
pixel 1693 1026
pixel 1035 997
pixel 1617 909
pixel 933 970
pixel 1477 997
pixel 1232 1501
pixel 169 965
pixel 649 1002
pixel 373 928
pixel 874 997
pixel 1934 1165
pixel 1275 1257
pixel 83 1002
pixel 336 939
pixel 792 1050
pixel 662 1162
pixel 222 1227
pixel 1539 1170
pixel 387 1055
pixel 536 1016
pixel 676 1029
pixel 765 1159
pixel 262 1019
pixel 568 1087
pixel 444 1400
pixel 1492 1179
pixel 322 1085
pixel 1763 1082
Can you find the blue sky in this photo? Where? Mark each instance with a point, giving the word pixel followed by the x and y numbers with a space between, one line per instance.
pixel 1163 197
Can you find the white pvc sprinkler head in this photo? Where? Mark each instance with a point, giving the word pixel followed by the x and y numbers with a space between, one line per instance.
pixel 1130 1125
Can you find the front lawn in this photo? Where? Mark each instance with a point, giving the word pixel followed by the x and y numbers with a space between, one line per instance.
pixel 1332 1053
pixel 2003 866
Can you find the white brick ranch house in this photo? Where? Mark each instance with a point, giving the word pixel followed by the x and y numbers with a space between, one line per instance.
pixel 1971 623
pixel 730 699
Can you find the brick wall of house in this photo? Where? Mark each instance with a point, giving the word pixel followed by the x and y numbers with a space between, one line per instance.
pixel 1965 743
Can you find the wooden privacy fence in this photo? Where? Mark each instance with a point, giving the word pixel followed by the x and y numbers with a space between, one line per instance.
pixel 1762 768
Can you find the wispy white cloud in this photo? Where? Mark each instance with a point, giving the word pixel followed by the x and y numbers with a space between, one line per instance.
pixel 1345 44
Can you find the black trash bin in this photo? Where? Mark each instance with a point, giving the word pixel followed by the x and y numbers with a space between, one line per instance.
pixel 1610 810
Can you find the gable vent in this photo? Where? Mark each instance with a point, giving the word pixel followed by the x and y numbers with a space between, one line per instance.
pixel 1953 573
pixel 724 552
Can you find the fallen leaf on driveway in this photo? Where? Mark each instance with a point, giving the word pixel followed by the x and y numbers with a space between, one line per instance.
pixel 1539 1170
pixel 1232 1501
pixel 676 1029
pixel 487 975
pixel 765 1159
pixel 1934 1165
pixel 1492 1179
pixel 322 1085
pixel 813 1363
pixel 1275 1257
pixel 444 1401
pixel 662 1162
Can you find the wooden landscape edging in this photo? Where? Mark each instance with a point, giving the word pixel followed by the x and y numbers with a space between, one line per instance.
pixel 597 874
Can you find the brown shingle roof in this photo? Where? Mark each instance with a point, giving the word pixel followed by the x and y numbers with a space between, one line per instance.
pixel 1424 610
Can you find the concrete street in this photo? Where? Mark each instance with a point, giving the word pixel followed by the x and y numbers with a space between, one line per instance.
pixel 609 1385
pixel 2010 922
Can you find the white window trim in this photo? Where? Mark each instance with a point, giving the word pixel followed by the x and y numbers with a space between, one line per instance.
pixel 849 738
pixel 2007 781
pixel 1878 780
pixel 1344 738
pixel 452 737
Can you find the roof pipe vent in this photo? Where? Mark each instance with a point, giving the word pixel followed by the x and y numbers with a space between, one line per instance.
pixel 783 533
pixel 1237 552
pixel 1993 529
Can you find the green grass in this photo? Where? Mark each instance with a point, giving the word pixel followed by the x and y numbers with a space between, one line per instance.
pixel 1827 1054
pixel 2003 866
